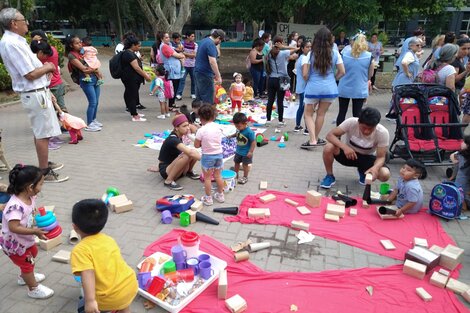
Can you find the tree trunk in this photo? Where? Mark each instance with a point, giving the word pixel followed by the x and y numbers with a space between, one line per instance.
pixel 170 18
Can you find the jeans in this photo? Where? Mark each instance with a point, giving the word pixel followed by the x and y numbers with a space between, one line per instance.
pixel 204 87
pixel 131 95
pixel 92 92
pixel 190 71
pixel 300 110
pixel 343 108
pixel 176 83
pixel 275 91
pixel 257 81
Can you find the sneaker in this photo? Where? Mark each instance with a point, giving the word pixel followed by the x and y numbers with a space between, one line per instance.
pixel 137 118
pixel 328 181
pixel 162 117
pixel 53 146
pixel 178 97
pixel 55 166
pixel 141 115
pixel 193 97
pixel 207 200
pixel 298 128
pixel 53 177
pixel 38 276
pixel 95 122
pixel 193 175
pixel 41 292
pixel 56 140
pixel 168 115
pixel 92 128
pixel 140 107
pixel 173 186
pixel 362 178
pixel 391 116
pixel 281 123
pixel 219 197
pixel 306 132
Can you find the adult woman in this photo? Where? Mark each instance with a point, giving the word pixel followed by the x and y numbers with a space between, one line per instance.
pixel 376 48
pixel 277 70
pixel 175 158
pixel 445 71
pixel 354 85
pixel 132 77
pixel 460 64
pixel 172 63
pixel 305 48
pixel 321 88
pixel 293 58
pixel 73 45
pixel 189 51
pixel 154 50
pixel 409 67
pixel 257 66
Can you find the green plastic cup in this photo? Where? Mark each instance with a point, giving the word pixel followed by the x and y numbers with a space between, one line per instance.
pixel 169 267
pixel 384 188
pixel 185 219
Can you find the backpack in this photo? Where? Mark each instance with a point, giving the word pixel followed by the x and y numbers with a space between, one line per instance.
pixel 175 204
pixel 446 200
pixel 429 76
pixel 169 91
pixel 115 66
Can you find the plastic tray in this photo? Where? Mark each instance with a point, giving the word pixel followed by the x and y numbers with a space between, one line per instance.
pixel 217 266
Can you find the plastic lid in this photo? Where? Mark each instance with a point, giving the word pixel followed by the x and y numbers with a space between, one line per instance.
pixel 228 174
pixel 42 211
pixel 189 238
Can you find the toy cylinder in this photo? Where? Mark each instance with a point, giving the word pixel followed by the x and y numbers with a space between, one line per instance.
pixel 206 219
pixel 348 201
pixel 178 253
pixel 262 143
pixel 385 210
pixel 42 211
pixel 166 217
pixel 384 188
pixel 241 256
pixel 229 210
pixel 74 238
pixel 190 243
pixel 185 219
pixel 156 285
pixel 259 246
pixel 143 278
pixel 228 178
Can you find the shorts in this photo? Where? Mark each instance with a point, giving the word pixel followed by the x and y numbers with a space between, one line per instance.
pixel 363 161
pixel 25 261
pixel 59 92
pixel 162 169
pixel 238 158
pixel 315 101
pixel 212 161
pixel 236 103
pixel 43 119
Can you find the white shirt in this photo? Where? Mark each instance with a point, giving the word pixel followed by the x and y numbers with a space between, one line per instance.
pixel 360 143
pixel 120 47
pixel 19 61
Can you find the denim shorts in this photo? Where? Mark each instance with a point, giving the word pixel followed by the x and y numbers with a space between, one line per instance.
pixel 212 161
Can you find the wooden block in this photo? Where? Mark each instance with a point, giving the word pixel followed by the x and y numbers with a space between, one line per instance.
pixel 123 207
pixel 420 242
pixel 340 202
pixel 192 216
pixel 197 205
pixel 63 256
pixel 117 199
pixel 423 294
pixel 300 225
pixel 424 256
pixel 267 198
pixel 353 212
pixel 263 185
pixel 439 280
pixel 291 202
pixel 331 217
pixel 369 178
pixel 49 208
pixel 466 295
pixel 222 288
pixel 313 198
pixel 451 256
pixel 387 244
pixel 259 212
pixel 436 249
pixel 303 210
pixel 457 286
pixel 444 272
pixel 51 243
pixel 365 205
pixel 336 209
pixel 414 269
pixel 236 304
pixel 36 240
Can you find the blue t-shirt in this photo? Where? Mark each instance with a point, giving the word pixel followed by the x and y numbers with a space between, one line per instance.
pixel 409 191
pixel 205 50
pixel 320 86
pixel 354 84
pixel 244 140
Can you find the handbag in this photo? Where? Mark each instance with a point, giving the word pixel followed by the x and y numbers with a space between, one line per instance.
pixel 284 81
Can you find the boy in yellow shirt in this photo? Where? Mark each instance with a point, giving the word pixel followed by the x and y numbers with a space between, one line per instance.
pixel 109 284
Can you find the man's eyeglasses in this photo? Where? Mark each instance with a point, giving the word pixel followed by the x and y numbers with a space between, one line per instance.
pixel 23 20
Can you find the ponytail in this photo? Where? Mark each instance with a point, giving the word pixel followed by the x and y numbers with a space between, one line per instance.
pixel 22 176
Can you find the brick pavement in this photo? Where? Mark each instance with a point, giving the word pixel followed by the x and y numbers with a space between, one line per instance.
pixel 108 158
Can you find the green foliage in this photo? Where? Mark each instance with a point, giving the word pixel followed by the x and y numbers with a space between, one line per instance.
pixel 383 38
pixel 5 79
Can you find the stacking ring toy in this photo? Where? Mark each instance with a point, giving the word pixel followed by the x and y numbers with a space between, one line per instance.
pixel 54 233
pixel 50 227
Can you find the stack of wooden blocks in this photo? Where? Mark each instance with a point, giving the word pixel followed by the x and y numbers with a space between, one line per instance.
pixel 120 204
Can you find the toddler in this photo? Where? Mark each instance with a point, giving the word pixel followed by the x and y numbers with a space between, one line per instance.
pixel 90 56
pixel 246 144
pixel 408 192
pixel 74 125
pixel 236 92
pixel 17 237
pixel 109 284
pixel 248 95
pixel 209 139
pixel 158 88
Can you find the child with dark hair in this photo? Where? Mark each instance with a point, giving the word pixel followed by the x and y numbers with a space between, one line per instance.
pixel 17 237
pixel 246 144
pixel 249 92
pixel 157 88
pixel 408 192
pixel 109 284
pixel 209 139
pixel 195 105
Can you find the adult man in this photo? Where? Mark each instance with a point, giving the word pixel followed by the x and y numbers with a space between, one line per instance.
pixel 206 67
pixel 365 147
pixel 30 79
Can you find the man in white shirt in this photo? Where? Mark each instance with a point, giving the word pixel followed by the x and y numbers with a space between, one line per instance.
pixel 30 79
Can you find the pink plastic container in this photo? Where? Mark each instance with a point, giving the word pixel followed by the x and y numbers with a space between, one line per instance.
pixel 190 242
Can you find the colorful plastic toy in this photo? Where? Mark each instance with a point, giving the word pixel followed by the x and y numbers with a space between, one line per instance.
pixel 111 192
pixel 48 223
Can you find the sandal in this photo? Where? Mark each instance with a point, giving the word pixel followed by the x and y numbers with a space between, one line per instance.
pixel 243 180
pixel 307 145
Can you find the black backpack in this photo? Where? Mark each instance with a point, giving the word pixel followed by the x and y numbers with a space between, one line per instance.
pixel 115 66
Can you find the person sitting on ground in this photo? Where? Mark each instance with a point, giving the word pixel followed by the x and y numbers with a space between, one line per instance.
pixel 175 158
pixel 246 144
pixel 408 192
pixel 364 147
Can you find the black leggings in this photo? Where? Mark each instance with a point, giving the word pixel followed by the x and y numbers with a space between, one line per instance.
pixel 176 84
pixel 275 91
pixel 372 79
pixel 343 108
pixel 131 95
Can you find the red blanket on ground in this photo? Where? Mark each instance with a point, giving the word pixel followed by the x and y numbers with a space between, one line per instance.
pixel 327 291
pixel 363 231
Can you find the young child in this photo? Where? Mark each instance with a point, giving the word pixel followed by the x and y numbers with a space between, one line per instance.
pixel 109 284
pixel 248 95
pixel 462 158
pixel 246 144
pixel 90 56
pixel 408 192
pixel 158 88
pixel 236 92
pixel 17 238
pixel 74 125
pixel 209 138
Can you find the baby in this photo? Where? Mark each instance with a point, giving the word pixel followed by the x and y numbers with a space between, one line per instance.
pixel 90 56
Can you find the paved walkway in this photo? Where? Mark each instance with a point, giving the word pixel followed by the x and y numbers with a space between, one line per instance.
pixel 107 158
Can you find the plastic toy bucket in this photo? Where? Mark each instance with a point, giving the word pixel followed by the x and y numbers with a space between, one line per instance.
pixel 190 243
pixel 228 177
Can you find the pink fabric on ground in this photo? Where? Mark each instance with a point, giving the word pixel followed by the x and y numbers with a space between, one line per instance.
pixel 363 231
pixel 327 291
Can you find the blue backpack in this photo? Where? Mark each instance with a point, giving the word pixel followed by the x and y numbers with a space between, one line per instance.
pixel 175 204
pixel 446 200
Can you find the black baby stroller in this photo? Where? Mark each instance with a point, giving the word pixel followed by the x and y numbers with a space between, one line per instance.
pixel 428 127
